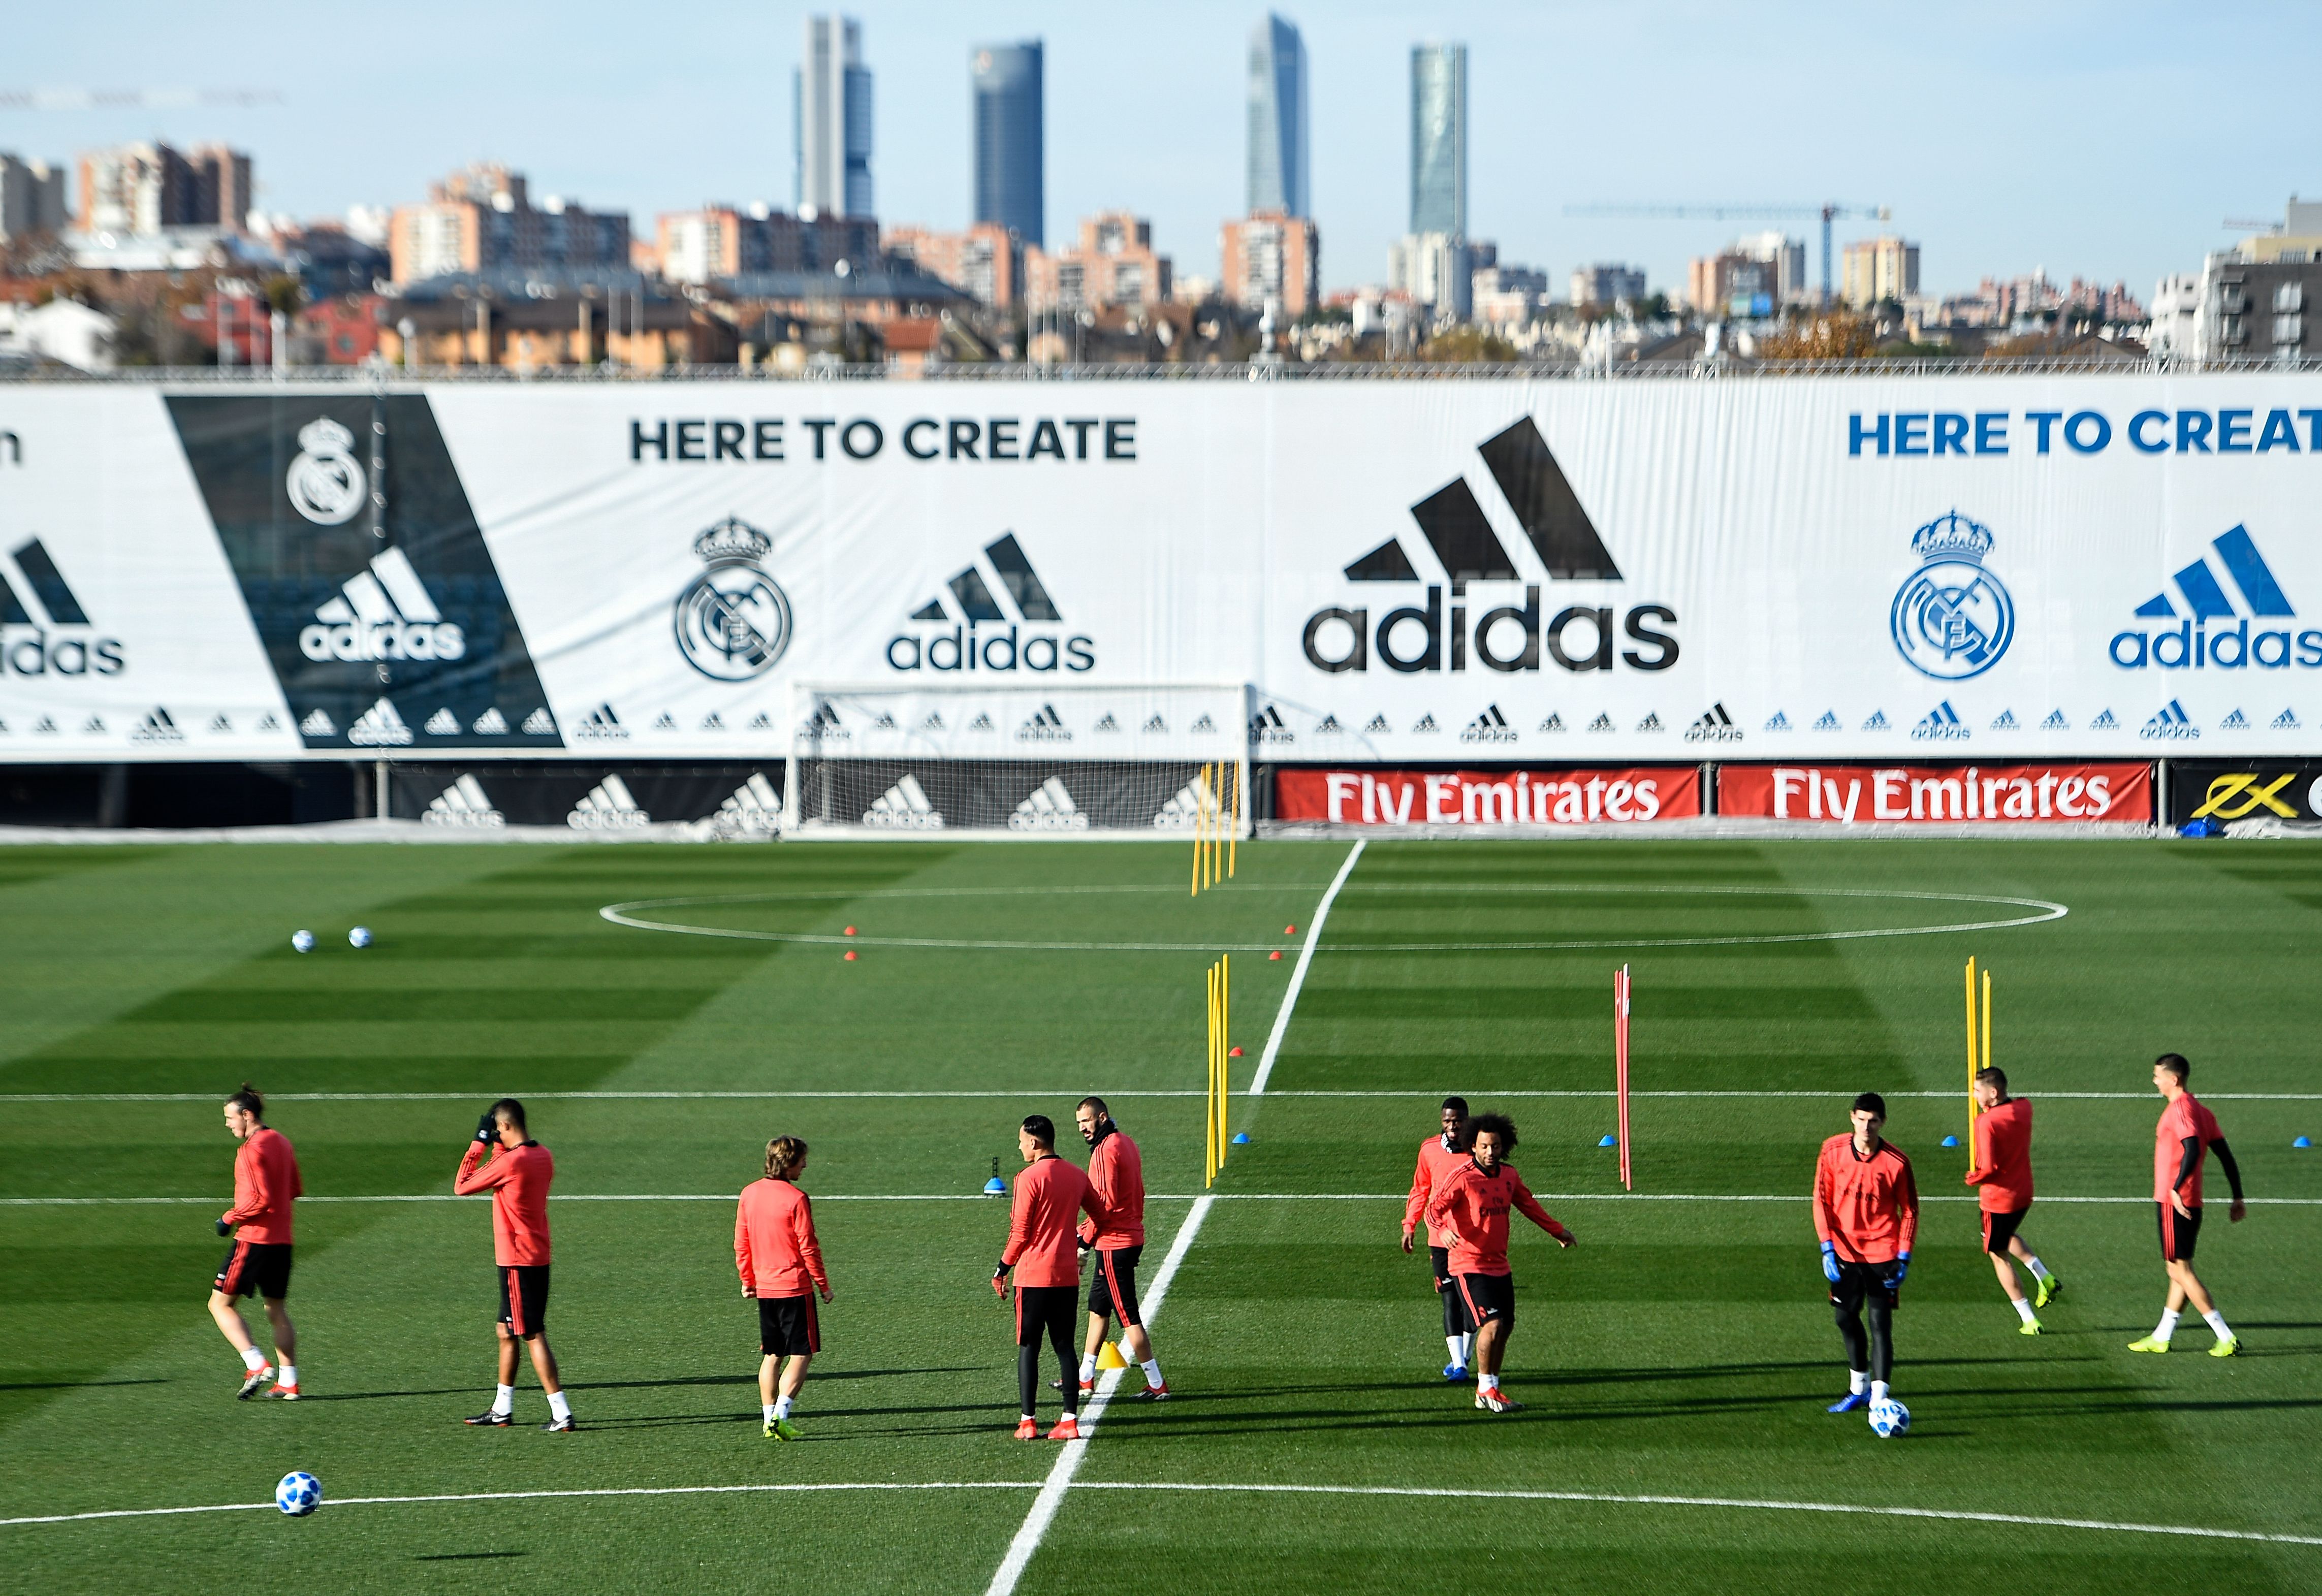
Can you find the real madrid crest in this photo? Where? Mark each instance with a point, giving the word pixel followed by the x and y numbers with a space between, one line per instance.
pixel 325 483
pixel 1951 617
pixel 733 620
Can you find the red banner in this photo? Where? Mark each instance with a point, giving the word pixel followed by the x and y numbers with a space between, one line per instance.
pixel 1544 798
pixel 1852 795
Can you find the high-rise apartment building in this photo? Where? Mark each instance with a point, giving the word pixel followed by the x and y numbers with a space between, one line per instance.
pixel 1011 189
pixel 1272 257
pixel 1433 269
pixel 1114 266
pixel 1876 268
pixel 831 120
pixel 1279 165
pixel 1439 139
pixel 1787 256
pixel 32 197
pixel 985 262
pixel 726 242
pixel 1607 282
pixel 143 188
pixel 481 219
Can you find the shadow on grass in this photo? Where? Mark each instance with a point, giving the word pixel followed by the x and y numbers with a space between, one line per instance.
pixel 76 1384
pixel 745 1377
pixel 461 1556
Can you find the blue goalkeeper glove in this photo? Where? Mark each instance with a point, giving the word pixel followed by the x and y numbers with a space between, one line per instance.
pixel 1902 1268
pixel 1830 1263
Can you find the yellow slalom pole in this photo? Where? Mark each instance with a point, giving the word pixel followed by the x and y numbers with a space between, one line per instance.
pixel 1233 833
pixel 1971 1065
pixel 1209 1086
pixel 1987 1020
pixel 1199 775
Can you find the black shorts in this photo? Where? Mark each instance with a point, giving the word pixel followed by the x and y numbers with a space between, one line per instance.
pixel 1863 1283
pixel 1440 1259
pixel 787 1326
pixel 2000 1229
pixel 1112 1284
pixel 256 1268
pixel 1043 1313
pixel 2179 1232
pixel 524 1298
pixel 1489 1297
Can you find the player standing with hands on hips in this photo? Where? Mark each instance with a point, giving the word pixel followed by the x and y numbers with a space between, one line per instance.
pixel 1470 1206
pixel 1044 1251
pixel 265 1184
pixel 518 1178
pixel 1866 1209
pixel 781 1263
pixel 2187 1133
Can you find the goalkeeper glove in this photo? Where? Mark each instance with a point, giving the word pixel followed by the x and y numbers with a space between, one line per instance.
pixel 225 1228
pixel 1830 1263
pixel 1902 1268
pixel 487 1128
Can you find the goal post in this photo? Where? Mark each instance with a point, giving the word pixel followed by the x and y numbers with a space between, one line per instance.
pixel 1051 760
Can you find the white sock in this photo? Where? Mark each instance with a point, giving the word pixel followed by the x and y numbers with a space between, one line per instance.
pixel 1488 1382
pixel 2167 1326
pixel 1457 1343
pixel 1088 1367
pixel 558 1406
pixel 782 1407
pixel 1878 1391
pixel 1857 1380
pixel 1152 1367
pixel 1466 1349
pixel 2024 1309
pixel 770 1414
pixel 505 1401
pixel 2217 1323
pixel 2039 1270
pixel 252 1359
pixel 287 1375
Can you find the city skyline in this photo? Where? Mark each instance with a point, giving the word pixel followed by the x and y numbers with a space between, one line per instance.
pixel 1156 121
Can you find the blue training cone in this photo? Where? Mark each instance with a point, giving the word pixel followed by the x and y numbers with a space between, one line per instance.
pixel 995 1186
pixel 2303 1142
pixel 1950 1141
pixel 1609 1142
pixel 1241 1138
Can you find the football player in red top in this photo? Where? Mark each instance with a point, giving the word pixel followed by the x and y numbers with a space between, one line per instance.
pixel 1471 1205
pixel 518 1176
pixel 1116 1170
pixel 265 1184
pixel 1043 1250
pixel 1439 1156
pixel 780 1260
pixel 1866 1209
pixel 2188 1133
pixel 2000 1169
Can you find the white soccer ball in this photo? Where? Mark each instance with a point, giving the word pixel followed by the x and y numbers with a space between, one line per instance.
pixel 299 1495
pixel 304 941
pixel 359 938
pixel 1889 1419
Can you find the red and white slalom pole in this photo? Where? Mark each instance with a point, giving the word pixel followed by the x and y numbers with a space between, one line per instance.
pixel 1621 1065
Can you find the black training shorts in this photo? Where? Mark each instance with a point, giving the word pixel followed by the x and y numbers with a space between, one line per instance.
pixel 524 1298
pixel 256 1268
pixel 2000 1229
pixel 1043 1311
pixel 1489 1297
pixel 2179 1232
pixel 1439 1258
pixel 1112 1284
pixel 1864 1282
pixel 787 1326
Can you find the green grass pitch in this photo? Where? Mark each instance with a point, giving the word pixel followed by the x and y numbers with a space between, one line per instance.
pixel 1683 1350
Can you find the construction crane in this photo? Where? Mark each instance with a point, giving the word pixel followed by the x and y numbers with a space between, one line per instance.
pixel 1743 213
pixel 131 99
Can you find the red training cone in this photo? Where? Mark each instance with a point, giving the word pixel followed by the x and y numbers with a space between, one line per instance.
pixel 1290 931
pixel 1233 1053
pixel 1276 953
pixel 849 954
pixel 850 930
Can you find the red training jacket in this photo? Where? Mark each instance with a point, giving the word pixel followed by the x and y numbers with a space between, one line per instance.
pixel 1437 1164
pixel 518 1183
pixel 1474 1207
pixel 774 1247
pixel 1050 1192
pixel 2182 1118
pixel 1116 1170
pixel 1867 1207
pixel 265 1181
pixel 2003 1158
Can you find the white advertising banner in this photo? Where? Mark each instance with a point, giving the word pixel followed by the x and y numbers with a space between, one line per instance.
pixel 1876 569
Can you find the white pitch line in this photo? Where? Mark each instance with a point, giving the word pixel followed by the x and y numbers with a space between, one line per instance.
pixel 1437 1493
pixel 1412 1094
pixel 1043 1513
pixel 1191 1197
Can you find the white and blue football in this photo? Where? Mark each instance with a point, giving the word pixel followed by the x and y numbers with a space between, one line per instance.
pixel 359 938
pixel 1889 1419
pixel 304 941
pixel 299 1495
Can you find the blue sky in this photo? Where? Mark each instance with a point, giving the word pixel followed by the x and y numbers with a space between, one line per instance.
pixel 2103 140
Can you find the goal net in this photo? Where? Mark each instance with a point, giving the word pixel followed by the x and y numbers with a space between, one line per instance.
pixel 1060 759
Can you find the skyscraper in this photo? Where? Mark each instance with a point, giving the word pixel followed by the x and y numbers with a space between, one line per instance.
pixel 831 120
pixel 1008 154
pixel 1439 139
pixel 1279 169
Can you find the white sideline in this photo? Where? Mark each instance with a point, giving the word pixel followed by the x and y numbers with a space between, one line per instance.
pixel 71 1202
pixel 1060 1477
pixel 1606 1497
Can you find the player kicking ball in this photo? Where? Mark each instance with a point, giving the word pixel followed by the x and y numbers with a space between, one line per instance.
pixel 2000 1169
pixel 1471 1207
pixel 265 1184
pixel 1866 1209
pixel 1050 1195
pixel 780 1260
pixel 1439 1156
pixel 518 1176
pixel 2187 1133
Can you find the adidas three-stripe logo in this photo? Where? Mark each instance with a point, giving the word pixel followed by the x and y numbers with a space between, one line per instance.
pixel 1717 727
pixel 383 612
pixel 1048 807
pixel 2206 596
pixel 903 807
pixel 609 808
pixel 462 804
pixel 973 595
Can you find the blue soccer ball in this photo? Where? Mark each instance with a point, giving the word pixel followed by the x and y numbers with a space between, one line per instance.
pixel 1889 1418
pixel 304 941
pixel 299 1495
